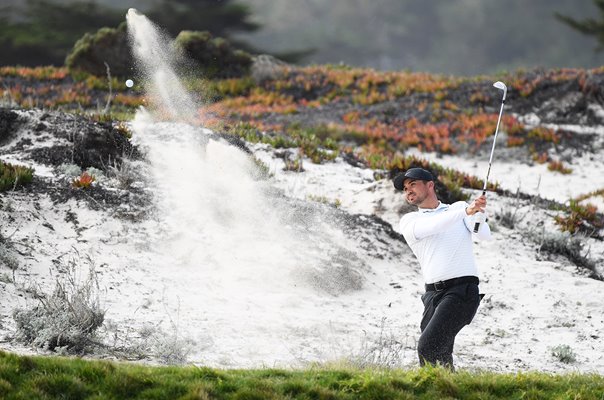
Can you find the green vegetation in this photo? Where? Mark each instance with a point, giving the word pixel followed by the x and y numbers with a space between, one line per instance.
pixel 78 92
pixel 107 45
pixel 329 111
pixel 41 32
pixel 221 18
pixel 12 176
pixel 570 246
pixel 312 142
pixel 564 353
pixel 558 166
pixel 55 377
pixel 214 57
pixel 580 218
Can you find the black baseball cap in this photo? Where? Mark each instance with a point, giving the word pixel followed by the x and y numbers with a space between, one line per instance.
pixel 417 174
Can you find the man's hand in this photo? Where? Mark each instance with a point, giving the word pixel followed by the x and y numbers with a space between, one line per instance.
pixel 478 205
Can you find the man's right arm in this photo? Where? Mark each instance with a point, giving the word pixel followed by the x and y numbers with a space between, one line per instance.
pixel 405 226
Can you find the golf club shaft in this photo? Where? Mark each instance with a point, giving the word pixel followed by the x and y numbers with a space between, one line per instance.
pixel 484 189
pixel 480 218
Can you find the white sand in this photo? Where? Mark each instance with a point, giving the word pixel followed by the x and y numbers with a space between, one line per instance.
pixel 249 306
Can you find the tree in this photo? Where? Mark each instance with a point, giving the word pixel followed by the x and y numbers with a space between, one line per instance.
pixel 44 31
pixel 221 18
pixel 589 26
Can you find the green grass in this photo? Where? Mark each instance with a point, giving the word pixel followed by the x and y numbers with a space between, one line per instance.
pixel 12 176
pixel 66 378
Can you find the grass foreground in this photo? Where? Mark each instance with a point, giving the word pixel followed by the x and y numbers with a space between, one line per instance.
pixel 25 377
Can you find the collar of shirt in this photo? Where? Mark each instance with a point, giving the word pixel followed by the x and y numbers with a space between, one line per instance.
pixel 440 206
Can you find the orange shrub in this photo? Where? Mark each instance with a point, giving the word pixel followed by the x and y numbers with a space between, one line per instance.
pixel 479 97
pixel 540 158
pixel 580 218
pixel 351 117
pixel 514 141
pixel 474 128
pixel 128 100
pixel 544 134
pixel 83 181
pixel 39 73
pixel 558 166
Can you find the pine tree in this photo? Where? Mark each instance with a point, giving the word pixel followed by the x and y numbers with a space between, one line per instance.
pixel 221 18
pixel 588 26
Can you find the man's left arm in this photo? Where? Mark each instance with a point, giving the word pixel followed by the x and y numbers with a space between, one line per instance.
pixel 477 205
pixel 484 232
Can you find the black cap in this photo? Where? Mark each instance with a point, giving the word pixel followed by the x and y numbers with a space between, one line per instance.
pixel 417 174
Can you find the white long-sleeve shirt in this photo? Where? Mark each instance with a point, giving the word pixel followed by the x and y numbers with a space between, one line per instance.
pixel 441 239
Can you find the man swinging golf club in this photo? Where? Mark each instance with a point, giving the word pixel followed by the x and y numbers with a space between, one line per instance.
pixel 440 236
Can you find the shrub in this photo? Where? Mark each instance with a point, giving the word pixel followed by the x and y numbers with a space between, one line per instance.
pixel 558 166
pixel 13 176
pixel 6 257
pixel 594 193
pixel 324 200
pixel 293 164
pixel 95 173
pixel 171 349
pixel 109 45
pixel 150 340
pixel 581 218
pixel 68 318
pixel 125 172
pixel 266 67
pixel 385 351
pixel 310 145
pixel 261 170
pixel 123 128
pixel 568 246
pixel 540 158
pixel 508 216
pixel 215 57
pixel 70 170
pixel 232 87
pixel 454 182
pixel 83 181
pixel 564 353
pixel 35 73
pixel 542 134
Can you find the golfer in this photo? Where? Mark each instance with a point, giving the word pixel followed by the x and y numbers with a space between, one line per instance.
pixel 440 236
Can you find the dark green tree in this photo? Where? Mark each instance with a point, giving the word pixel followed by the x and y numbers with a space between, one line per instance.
pixel 220 17
pixel 588 26
pixel 42 32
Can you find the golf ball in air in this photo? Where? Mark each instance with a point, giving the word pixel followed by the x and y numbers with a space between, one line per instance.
pixel 129 83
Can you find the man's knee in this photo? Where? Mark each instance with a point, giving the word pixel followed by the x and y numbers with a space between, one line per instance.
pixel 426 350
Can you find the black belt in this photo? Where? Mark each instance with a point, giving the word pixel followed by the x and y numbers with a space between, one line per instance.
pixel 442 285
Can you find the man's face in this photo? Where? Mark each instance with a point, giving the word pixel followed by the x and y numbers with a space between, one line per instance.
pixel 415 191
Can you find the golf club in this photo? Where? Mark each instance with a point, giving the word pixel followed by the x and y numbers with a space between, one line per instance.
pixel 480 217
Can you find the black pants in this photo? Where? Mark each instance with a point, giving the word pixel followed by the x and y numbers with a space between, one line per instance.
pixel 445 313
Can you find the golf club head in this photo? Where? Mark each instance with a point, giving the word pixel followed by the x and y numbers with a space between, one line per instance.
pixel 501 86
